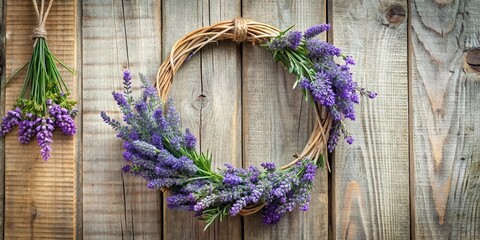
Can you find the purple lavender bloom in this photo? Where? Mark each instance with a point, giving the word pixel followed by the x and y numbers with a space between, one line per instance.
pixel 232 179
pixel 278 44
pixel 157 141
pixel 176 142
pixel 294 39
pixel 349 139
pixel 134 135
pixel 349 60
pixel 121 100
pixel 10 121
pixel 372 95
pixel 333 139
pixel 321 90
pixel 113 123
pixel 237 206
pixel 310 170
pixel 127 77
pixel 315 30
pixel 189 139
pixel 27 128
pixel 126 168
pixel 305 83
pixel 320 49
pixel 164 183
pixel 63 119
pixel 44 136
pixel 127 81
pixel 149 92
pixel 128 156
pixel 268 166
pixel 180 201
pixel 160 119
pixel 145 148
pixel 141 107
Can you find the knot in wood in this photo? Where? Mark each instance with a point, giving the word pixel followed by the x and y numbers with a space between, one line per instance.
pixel 473 60
pixel 240 30
pixel 395 14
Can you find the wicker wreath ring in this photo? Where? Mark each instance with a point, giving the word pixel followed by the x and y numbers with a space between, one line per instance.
pixel 240 30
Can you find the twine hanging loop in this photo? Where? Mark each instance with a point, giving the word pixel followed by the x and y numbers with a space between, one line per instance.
pixel 39 31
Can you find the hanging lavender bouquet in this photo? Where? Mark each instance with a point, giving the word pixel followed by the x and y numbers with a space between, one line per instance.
pixel 157 149
pixel 43 104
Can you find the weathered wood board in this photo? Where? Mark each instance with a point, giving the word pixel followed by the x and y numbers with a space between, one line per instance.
pixel 39 196
pixel 276 120
pixel 446 93
pixel 116 34
pixel 201 89
pixel 370 178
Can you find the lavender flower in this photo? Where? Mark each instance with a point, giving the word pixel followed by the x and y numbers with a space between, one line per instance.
pixel 294 39
pixel 189 139
pixel 268 165
pixel 10 121
pixel 320 49
pixel 62 119
pixel 27 128
pixel 127 82
pixel 44 136
pixel 278 44
pixel 321 90
pixel 315 30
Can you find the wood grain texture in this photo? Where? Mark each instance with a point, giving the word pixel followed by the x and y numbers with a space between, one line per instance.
pixel 276 121
pixel 446 93
pixel 2 110
pixel 116 34
pixel 39 195
pixel 371 177
pixel 207 93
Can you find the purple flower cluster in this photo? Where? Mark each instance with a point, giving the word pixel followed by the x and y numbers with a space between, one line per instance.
pixel 157 150
pixel 329 84
pixel 287 189
pixel 42 128
pixel 153 140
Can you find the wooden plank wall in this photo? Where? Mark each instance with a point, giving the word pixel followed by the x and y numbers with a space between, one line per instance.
pixel 413 172
pixel 200 89
pixel 272 113
pixel 116 34
pixel 370 178
pixel 446 93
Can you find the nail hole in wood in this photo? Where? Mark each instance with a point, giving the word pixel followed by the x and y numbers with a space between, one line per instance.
pixel 395 14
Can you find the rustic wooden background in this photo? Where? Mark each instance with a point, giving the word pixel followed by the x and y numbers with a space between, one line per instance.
pixel 414 171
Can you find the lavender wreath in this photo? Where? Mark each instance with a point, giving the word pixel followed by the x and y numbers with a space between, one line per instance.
pixel 157 149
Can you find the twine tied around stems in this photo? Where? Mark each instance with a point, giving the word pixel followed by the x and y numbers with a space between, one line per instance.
pixel 39 31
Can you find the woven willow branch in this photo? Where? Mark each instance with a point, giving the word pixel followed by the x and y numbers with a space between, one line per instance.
pixel 240 30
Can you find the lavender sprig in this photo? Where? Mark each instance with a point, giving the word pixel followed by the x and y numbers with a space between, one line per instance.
pixel 329 84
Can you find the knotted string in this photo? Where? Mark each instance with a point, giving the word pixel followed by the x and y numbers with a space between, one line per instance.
pixel 39 31
pixel 240 30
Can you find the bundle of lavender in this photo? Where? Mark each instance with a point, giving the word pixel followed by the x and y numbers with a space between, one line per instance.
pixel 43 104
